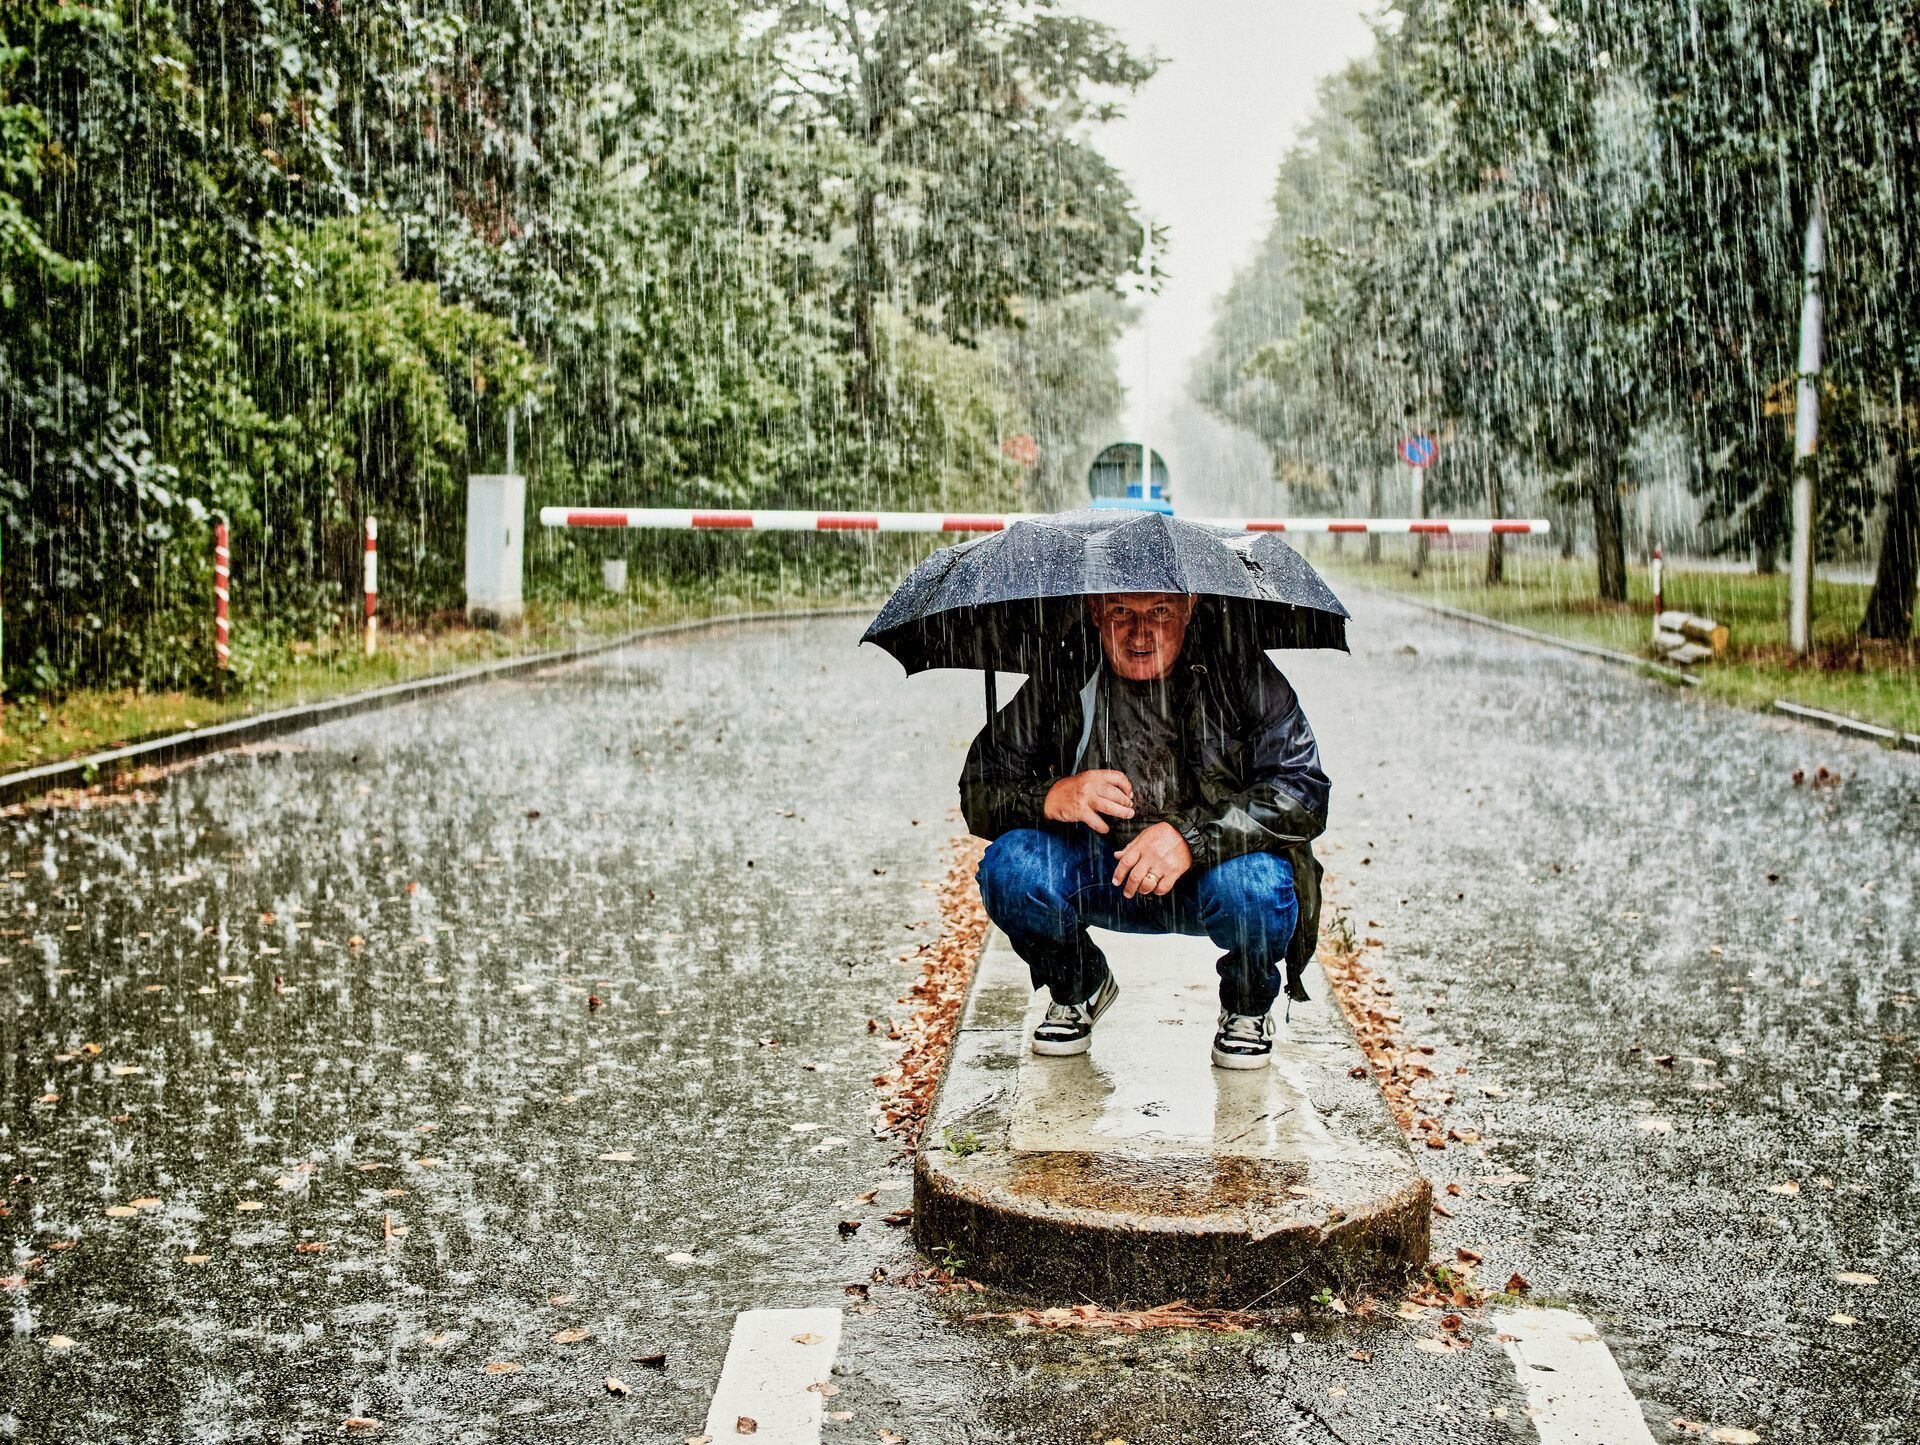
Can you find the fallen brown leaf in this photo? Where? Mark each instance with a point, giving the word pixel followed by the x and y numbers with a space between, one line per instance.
pixel 1179 1315
pixel 746 1425
pixel 502 1367
pixel 946 968
pixel 360 1425
pixel 617 1386
pixel 568 1337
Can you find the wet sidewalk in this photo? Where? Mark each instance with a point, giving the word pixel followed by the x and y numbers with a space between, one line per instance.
pixel 1137 1173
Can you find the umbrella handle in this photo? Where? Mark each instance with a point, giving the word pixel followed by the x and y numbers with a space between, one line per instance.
pixel 993 694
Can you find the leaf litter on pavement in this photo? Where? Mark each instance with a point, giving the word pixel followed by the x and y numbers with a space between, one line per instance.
pixel 946 968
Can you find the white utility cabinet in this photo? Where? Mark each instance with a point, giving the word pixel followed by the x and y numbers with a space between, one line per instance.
pixel 496 534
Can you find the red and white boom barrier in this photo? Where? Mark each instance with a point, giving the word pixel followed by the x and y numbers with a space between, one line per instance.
pixel 683 519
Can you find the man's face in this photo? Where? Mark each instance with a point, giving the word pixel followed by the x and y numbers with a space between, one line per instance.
pixel 1141 632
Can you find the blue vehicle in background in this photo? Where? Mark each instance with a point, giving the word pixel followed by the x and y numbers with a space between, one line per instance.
pixel 1114 480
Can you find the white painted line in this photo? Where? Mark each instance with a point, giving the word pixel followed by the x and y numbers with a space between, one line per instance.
pixel 773 1357
pixel 1576 1394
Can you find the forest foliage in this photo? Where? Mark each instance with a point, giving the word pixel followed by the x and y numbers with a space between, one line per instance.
pixel 292 264
pixel 1552 230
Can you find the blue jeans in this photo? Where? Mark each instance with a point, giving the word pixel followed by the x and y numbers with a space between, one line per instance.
pixel 1044 889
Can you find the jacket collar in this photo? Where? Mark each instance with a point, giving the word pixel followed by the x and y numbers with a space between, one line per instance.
pixel 1185 665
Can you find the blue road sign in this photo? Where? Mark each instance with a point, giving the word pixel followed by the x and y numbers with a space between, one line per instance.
pixel 1419 451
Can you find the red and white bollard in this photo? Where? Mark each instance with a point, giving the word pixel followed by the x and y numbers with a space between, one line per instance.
pixel 371 586
pixel 222 583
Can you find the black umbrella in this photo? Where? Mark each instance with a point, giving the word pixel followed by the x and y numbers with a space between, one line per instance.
pixel 1011 600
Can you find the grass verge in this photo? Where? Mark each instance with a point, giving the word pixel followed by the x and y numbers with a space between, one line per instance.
pixel 1876 682
pixel 286 673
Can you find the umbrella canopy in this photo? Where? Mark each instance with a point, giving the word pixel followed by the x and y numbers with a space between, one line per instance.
pixel 1011 600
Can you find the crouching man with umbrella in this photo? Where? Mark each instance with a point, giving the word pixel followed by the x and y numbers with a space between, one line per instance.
pixel 1156 773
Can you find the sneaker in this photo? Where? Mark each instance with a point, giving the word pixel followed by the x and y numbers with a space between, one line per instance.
pixel 1243 1041
pixel 1068 1027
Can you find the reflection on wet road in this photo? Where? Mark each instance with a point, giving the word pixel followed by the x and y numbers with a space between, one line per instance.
pixel 528 1027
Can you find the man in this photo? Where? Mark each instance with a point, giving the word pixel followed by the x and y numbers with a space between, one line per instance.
pixel 1165 783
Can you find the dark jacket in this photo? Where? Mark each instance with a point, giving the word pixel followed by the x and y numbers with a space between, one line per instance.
pixel 1245 738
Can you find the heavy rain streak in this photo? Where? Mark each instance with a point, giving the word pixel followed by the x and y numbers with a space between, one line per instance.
pixel 1401 520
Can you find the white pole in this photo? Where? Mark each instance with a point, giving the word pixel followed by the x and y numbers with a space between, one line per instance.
pixel 1806 403
pixel 510 412
pixel 1806 436
pixel 1146 365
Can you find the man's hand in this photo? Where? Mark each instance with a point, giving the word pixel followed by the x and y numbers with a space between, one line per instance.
pixel 1153 862
pixel 1083 797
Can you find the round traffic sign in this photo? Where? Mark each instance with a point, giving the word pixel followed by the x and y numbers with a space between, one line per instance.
pixel 1419 451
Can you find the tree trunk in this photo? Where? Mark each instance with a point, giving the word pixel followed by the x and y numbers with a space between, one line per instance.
pixel 1609 533
pixel 864 386
pixel 1889 614
pixel 866 281
pixel 1766 559
pixel 1422 547
pixel 1373 510
pixel 1496 544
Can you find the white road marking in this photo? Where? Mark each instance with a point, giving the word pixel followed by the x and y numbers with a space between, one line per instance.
pixel 1576 1394
pixel 773 1357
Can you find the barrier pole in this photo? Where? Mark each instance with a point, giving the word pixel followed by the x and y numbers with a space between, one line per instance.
pixel 681 518
pixel 371 586
pixel 222 587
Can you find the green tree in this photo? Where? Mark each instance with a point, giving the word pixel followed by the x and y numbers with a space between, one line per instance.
pixel 967 183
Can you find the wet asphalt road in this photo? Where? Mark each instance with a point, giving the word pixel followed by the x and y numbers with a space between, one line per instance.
pixel 348 981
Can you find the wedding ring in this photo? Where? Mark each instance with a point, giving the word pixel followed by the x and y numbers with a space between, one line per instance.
pixel 1153 877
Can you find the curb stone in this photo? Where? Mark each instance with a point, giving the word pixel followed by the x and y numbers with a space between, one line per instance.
pixel 1138 1174
pixel 1811 716
pixel 1853 727
pixel 102 767
pixel 1567 644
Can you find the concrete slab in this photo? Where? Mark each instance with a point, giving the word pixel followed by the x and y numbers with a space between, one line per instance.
pixel 1138 1173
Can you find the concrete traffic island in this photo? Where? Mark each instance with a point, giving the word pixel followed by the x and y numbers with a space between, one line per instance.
pixel 1137 1173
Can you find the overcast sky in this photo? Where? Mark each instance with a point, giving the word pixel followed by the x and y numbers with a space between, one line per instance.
pixel 1202 141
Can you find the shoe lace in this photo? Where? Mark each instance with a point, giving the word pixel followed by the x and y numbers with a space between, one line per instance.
pixel 1062 1015
pixel 1250 1027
